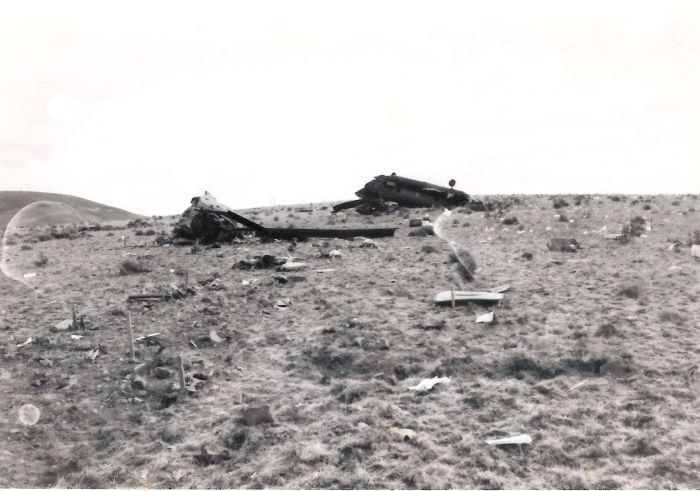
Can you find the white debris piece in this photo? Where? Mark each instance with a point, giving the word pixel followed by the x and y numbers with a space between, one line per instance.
pixel 579 384
pixel 215 337
pixel 64 325
pixel 28 341
pixel 76 336
pixel 148 336
pixel 486 318
pixel 427 384
pixel 293 266
pixel 511 440
pixel 695 250
pixel 402 434
pixel 29 275
pixel 91 355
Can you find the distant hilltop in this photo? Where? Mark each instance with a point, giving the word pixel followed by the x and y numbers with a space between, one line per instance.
pixel 55 209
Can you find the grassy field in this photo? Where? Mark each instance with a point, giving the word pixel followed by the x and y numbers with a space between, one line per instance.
pixel 594 355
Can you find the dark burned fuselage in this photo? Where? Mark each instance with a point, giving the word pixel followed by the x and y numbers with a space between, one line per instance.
pixel 406 192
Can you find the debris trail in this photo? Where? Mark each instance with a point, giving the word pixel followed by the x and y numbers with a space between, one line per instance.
pixel 437 228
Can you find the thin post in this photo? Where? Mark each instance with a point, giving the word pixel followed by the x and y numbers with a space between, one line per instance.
pixel 452 298
pixel 181 372
pixel 75 318
pixel 131 339
pixel 124 240
pixel 187 277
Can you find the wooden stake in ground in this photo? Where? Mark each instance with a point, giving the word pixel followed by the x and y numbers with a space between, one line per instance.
pixel 131 340
pixel 452 298
pixel 181 373
pixel 75 318
pixel 187 277
pixel 125 241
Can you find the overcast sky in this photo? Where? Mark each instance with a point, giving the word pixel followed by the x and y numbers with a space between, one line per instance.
pixel 143 105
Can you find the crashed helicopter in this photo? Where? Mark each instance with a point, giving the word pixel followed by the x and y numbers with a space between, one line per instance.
pixel 209 221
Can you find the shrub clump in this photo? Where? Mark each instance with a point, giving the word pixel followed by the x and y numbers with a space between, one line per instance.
pixel 131 267
pixel 41 261
pixel 630 290
pixel 138 222
pixel 560 203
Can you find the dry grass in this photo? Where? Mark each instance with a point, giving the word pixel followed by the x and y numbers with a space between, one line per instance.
pixel 335 363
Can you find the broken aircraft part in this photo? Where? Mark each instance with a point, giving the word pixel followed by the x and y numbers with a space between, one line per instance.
pixel 406 192
pixel 462 296
pixel 208 220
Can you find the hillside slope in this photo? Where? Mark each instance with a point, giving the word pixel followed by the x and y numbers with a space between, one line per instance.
pixel 13 201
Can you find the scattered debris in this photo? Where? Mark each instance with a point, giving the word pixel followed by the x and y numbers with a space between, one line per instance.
pixel 511 440
pixel 29 414
pixel 335 253
pixel 328 270
pixel 215 337
pixel 259 262
pixel 282 304
pixel 91 355
pixel 675 247
pixel 695 250
pixel 292 266
pixel 403 434
pixel 28 341
pixel 580 384
pixel 147 336
pixel 614 236
pixel 368 244
pixel 427 384
pixel 487 318
pixel 29 275
pixel 64 325
pixel 563 245
pixel 465 296
pixel 76 337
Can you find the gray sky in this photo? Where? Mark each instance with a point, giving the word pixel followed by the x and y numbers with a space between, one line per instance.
pixel 143 105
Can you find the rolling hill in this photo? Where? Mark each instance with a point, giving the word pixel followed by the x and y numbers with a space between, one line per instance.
pixel 59 208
